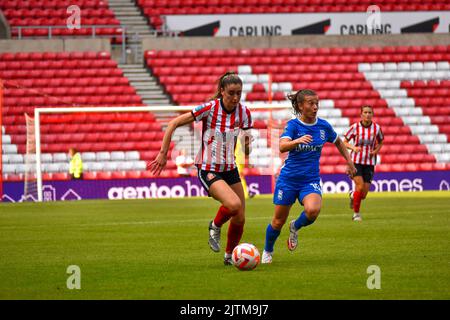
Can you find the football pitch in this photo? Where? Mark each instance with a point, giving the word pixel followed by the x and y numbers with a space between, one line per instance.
pixel 157 249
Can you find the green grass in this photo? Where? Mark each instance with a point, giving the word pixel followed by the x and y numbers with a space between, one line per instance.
pixel 157 249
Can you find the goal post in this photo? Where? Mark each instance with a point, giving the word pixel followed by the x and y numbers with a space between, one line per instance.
pixel 62 110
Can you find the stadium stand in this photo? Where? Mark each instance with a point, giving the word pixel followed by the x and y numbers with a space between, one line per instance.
pixel 345 78
pixel 154 9
pixel 47 13
pixel 110 142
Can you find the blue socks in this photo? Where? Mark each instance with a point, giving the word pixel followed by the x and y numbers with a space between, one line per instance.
pixel 302 221
pixel 271 237
pixel 272 234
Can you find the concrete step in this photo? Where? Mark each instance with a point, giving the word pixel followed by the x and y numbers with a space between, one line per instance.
pixel 133 18
pixel 149 96
pixel 142 83
pixel 136 71
pixel 157 103
pixel 126 11
pixel 141 80
pixel 147 88
pixel 121 3
pixel 128 8
pixel 162 99
pixel 130 66
pixel 135 21
pixel 139 28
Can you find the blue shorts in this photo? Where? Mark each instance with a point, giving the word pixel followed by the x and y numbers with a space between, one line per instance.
pixel 287 197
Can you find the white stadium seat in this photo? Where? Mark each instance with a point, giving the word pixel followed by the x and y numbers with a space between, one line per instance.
pixel 88 156
pixel 443 65
pixel 263 78
pixel 9 148
pixel 117 156
pixel 125 165
pixel 132 155
pixel 139 165
pixel 110 166
pixel 390 66
pixel 363 67
pixel 431 66
pixel 244 69
pixel 60 157
pixel 9 168
pixel 417 66
pixel 103 156
pixel 46 157
pixel 15 158
pixel 6 139
pixel 377 67
pixel 403 66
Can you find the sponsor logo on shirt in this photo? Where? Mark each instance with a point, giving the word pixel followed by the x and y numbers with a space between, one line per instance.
pixel 308 148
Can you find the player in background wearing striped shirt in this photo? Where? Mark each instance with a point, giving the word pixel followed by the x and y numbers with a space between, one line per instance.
pixel 367 142
pixel 224 120
pixel 299 179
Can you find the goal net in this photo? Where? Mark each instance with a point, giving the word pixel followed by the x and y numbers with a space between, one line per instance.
pixel 262 156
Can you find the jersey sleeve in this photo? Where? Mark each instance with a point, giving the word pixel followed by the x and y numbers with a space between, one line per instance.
pixel 288 131
pixel 247 121
pixel 350 134
pixel 331 134
pixel 380 135
pixel 201 111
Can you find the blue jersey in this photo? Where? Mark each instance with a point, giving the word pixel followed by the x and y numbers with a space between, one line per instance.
pixel 302 164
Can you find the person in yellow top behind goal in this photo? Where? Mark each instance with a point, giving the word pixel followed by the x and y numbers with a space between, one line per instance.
pixel 240 163
pixel 76 164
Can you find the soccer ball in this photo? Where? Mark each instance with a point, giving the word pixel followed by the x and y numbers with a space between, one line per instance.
pixel 245 256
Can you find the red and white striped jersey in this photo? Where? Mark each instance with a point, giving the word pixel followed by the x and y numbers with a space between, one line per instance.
pixel 366 138
pixel 220 129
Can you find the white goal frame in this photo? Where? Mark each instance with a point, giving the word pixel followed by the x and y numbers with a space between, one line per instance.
pixel 39 111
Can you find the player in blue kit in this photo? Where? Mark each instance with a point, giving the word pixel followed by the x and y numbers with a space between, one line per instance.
pixel 299 178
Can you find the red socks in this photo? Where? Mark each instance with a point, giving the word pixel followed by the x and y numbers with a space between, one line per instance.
pixel 356 201
pixel 223 215
pixel 235 232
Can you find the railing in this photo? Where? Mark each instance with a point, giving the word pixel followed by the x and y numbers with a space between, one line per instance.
pixel 94 33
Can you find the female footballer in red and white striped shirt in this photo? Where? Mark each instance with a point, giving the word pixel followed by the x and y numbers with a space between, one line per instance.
pixel 223 118
pixel 367 141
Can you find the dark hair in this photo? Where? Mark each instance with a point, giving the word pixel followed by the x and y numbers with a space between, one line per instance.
pixel 224 80
pixel 298 98
pixel 366 106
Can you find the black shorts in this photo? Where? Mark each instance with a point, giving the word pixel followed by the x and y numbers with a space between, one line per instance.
pixel 365 171
pixel 207 178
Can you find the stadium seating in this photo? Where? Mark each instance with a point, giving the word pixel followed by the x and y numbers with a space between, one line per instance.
pixel 45 13
pixel 153 9
pixel 406 85
pixel 110 141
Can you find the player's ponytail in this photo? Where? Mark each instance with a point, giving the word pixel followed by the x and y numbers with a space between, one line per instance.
pixel 225 80
pixel 298 98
